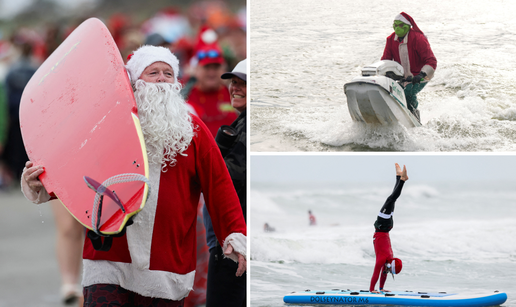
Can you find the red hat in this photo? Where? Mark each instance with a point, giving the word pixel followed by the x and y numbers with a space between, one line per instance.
pixel 207 50
pixel 404 17
pixel 396 265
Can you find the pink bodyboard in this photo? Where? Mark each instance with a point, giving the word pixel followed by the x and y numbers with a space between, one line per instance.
pixel 78 118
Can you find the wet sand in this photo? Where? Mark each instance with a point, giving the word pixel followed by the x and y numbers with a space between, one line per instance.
pixel 29 274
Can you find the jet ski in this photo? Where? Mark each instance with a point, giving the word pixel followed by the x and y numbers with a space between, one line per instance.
pixel 378 97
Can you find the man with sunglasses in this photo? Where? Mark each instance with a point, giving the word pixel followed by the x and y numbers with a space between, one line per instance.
pixel 209 97
pixel 409 46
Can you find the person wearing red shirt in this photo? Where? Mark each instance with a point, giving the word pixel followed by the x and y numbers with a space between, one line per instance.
pixel 409 46
pixel 385 261
pixel 209 97
pixel 311 218
pixel 154 262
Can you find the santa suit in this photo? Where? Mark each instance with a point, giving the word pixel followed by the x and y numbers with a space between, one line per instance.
pixel 413 53
pixel 157 255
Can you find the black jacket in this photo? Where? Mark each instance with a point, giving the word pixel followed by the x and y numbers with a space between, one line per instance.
pixel 236 160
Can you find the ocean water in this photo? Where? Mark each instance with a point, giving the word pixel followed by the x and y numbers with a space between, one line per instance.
pixel 303 51
pixel 456 237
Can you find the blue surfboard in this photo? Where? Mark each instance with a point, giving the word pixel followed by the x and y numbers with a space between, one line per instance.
pixel 406 298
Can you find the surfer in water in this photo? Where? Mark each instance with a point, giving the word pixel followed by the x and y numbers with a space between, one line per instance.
pixel 409 46
pixel 385 262
pixel 311 218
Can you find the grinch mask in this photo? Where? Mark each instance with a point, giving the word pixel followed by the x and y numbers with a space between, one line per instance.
pixel 400 28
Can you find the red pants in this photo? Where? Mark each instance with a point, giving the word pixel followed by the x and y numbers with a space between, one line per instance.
pixel 104 295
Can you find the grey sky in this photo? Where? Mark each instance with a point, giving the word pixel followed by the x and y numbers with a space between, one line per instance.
pixel 365 168
pixel 9 8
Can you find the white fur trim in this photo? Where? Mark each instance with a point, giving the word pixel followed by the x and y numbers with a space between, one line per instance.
pixel 402 19
pixel 139 235
pixel 429 70
pixel 393 267
pixel 148 283
pixel 192 111
pixel 404 55
pixel 147 55
pixel 239 243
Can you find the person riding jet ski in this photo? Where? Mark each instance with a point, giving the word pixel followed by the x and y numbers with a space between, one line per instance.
pixel 409 46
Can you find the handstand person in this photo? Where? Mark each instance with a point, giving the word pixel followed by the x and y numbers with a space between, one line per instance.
pixel 385 262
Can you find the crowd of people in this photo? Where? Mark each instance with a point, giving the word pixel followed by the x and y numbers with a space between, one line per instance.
pixel 209 42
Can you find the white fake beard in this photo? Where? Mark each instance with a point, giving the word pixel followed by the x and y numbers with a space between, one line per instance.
pixel 166 123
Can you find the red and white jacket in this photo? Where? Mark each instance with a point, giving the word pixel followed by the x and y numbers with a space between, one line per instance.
pixel 413 53
pixel 157 255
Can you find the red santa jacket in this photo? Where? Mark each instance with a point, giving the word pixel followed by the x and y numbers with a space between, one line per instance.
pixel 157 255
pixel 413 53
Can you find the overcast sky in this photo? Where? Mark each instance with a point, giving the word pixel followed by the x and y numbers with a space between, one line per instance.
pixel 365 168
pixel 9 8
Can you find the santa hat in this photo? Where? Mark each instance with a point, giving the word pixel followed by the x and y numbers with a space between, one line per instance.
pixel 405 18
pixel 396 265
pixel 207 49
pixel 148 55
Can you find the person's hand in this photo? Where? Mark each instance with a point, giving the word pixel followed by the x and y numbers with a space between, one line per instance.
pixel 30 176
pixel 242 263
pixel 420 77
pixel 401 173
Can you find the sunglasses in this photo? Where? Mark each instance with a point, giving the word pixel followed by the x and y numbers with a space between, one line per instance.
pixel 208 54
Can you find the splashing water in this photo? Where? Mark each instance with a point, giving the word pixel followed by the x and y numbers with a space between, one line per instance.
pixel 301 60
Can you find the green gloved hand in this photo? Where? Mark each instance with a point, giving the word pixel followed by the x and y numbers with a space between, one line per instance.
pixel 420 77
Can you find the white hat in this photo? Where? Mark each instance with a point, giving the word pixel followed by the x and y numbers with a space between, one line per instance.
pixel 240 71
pixel 402 19
pixel 147 55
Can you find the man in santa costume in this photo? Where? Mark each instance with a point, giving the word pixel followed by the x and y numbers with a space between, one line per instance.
pixel 153 263
pixel 385 261
pixel 409 46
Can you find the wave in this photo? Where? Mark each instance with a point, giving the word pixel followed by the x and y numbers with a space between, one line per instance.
pixel 474 241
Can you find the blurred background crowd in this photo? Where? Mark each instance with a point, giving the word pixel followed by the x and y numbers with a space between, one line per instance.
pixel 208 37
pixel 38 27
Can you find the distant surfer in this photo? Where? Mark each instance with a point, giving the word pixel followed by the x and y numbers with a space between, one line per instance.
pixel 385 261
pixel 268 228
pixel 409 46
pixel 311 218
